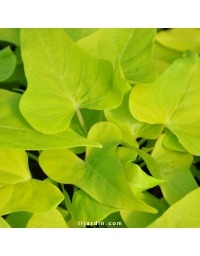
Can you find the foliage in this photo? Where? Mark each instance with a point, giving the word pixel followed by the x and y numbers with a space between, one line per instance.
pixel 99 128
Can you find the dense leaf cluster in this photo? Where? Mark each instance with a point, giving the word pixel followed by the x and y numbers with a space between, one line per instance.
pixel 99 127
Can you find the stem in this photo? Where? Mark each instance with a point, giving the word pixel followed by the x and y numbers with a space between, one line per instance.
pixel 32 156
pixel 140 142
pixel 82 123
pixel 142 164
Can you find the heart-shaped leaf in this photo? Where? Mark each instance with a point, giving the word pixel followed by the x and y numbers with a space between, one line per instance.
pixel 173 100
pixel 63 78
pixel 16 133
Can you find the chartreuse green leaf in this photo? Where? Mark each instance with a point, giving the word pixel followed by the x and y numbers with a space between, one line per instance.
pixel 164 56
pixel 137 219
pixel 171 142
pixel 131 127
pixel 62 79
pixel 78 33
pixel 173 100
pixel 101 175
pixel 87 209
pixel 3 223
pixel 114 220
pixel 132 45
pixel 126 155
pixel 18 219
pixel 175 170
pixel 180 39
pixel 7 63
pixel 183 214
pixel 138 180
pixel 10 35
pixel 16 133
pixel 14 167
pixel 32 195
pixel 51 219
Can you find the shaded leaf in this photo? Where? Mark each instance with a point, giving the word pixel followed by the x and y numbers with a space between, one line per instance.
pixel 10 35
pixel 171 142
pixel 59 86
pixel 18 219
pixel 7 63
pixel 132 45
pixel 136 219
pixel 126 155
pixel 78 33
pixel 175 170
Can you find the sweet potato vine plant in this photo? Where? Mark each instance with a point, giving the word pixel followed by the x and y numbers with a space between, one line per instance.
pixel 99 128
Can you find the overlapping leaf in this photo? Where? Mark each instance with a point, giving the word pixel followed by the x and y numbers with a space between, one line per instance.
pixel 78 33
pixel 14 167
pixel 16 133
pixel 3 223
pixel 184 214
pixel 131 127
pixel 7 63
pixel 132 45
pixel 137 219
pixel 101 175
pixel 175 170
pixel 51 219
pixel 32 195
pixel 180 39
pixel 10 35
pixel 87 209
pixel 63 78
pixel 173 100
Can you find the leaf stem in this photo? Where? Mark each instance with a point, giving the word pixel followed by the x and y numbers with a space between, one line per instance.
pixel 140 142
pixel 80 118
pixel 32 156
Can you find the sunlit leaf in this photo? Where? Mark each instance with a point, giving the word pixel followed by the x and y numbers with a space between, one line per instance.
pixel 7 63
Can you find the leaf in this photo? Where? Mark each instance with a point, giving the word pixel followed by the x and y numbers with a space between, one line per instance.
pixel 171 142
pixel 136 219
pixel 14 167
pixel 183 214
pixel 32 195
pixel 63 78
pixel 52 219
pixel 16 133
pixel 173 100
pixel 130 127
pixel 138 180
pixel 132 45
pixel 180 39
pixel 114 220
pixel 18 219
pixel 7 63
pixel 78 33
pixel 101 175
pixel 89 210
pixel 10 35
pixel 3 223
pixel 126 155
pixel 175 170
pixel 163 56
